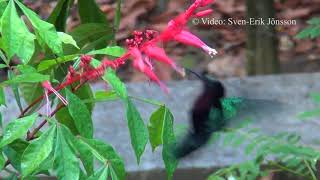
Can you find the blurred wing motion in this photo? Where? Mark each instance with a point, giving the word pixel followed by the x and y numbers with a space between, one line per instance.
pixel 212 111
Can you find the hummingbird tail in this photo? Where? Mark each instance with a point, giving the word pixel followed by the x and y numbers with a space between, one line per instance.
pixel 191 143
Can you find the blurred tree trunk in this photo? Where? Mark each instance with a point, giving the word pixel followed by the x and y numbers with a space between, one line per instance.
pixel 262 45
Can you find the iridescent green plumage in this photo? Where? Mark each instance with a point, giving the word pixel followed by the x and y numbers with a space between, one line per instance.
pixel 230 106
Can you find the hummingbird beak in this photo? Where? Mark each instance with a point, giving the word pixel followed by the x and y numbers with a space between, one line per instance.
pixel 202 77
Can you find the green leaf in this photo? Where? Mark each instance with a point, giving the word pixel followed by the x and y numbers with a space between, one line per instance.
pixel 117 85
pixel 46 32
pixel 3 5
pixel 67 39
pixel 50 63
pixel 106 154
pixel 80 114
pixel 63 116
pixel 101 174
pixel 91 32
pixel 16 38
pixel 115 51
pixel 155 127
pixel 37 151
pixel 90 12
pixel 2 161
pixel 27 78
pixel 66 163
pixel 315 97
pixel 309 114
pixel 2 97
pixel 111 77
pixel 17 129
pixel 161 132
pixel 3 66
pixel 60 14
pixel 314 21
pixel 137 129
pixel 106 96
pixel 14 152
pixel 15 89
pixel 31 91
pixel 84 152
pixel 312 31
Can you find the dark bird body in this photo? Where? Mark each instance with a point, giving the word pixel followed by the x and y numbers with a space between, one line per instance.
pixel 206 115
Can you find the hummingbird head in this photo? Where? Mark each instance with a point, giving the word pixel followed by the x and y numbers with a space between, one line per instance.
pixel 210 83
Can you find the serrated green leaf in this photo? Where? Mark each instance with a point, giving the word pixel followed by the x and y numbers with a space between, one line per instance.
pixel 46 32
pixel 91 32
pixel 3 5
pixel 106 96
pixel 50 63
pixel 31 91
pixel 137 129
pixel 67 39
pixel 16 38
pixel 14 152
pixel 17 129
pixel 80 114
pixel 106 154
pixel 15 89
pixel 111 77
pixel 90 12
pixel 101 174
pixel 65 162
pixel 63 116
pixel 117 85
pixel 156 126
pixel 115 51
pixel 37 151
pixel 169 142
pixel 60 14
pixel 84 152
pixel 25 69
pixel 27 78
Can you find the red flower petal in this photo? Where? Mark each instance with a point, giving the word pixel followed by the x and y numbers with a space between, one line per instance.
pixel 159 54
pixel 188 38
pixel 140 65
pixel 204 13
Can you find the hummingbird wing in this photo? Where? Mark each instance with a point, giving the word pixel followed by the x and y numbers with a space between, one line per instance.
pixel 238 109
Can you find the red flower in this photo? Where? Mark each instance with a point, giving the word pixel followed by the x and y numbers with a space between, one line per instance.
pixel 160 55
pixel 140 65
pixel 143 49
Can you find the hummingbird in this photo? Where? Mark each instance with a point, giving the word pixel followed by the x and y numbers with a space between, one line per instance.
pixel 206 116
pixel 212 112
